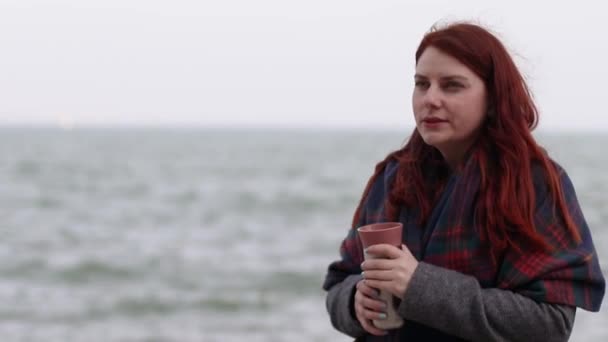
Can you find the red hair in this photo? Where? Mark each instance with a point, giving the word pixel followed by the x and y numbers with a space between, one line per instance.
pixel 505 150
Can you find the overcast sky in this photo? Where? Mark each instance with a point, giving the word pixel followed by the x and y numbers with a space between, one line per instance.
pixel 320 63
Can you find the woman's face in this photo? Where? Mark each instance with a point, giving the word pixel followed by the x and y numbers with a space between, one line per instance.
pixel 449 103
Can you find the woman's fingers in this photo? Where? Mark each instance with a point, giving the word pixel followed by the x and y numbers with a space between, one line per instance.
pixel 378 275
pixel 384 251
pixel 366 290
pixel 391 270
pixel 366 317
pixel 374 305
pixel 378 264
pixel 370 328
pixel 384 285
pixel 370 299
pixel 368 308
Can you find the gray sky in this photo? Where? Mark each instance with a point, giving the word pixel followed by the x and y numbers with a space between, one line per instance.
pixel 320 63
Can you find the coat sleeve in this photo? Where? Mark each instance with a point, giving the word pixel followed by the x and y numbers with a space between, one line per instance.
pixel 340 281
pixel 339 302
pixel 455 304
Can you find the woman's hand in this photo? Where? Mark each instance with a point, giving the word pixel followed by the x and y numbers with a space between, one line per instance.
pixel 367 308
pixel 390 270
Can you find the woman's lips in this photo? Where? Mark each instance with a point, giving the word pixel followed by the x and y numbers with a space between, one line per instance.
pixel 432 122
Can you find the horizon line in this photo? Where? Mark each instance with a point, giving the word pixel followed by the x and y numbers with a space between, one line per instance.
pixel 256 127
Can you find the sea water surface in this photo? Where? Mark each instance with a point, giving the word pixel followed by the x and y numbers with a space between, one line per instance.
pixel 200 234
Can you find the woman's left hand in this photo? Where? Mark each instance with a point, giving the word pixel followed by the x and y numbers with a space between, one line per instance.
pixel 390 270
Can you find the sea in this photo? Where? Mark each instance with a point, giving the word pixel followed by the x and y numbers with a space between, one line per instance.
pixel 200 234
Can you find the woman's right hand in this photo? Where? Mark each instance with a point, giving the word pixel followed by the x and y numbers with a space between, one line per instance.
pixel 368 308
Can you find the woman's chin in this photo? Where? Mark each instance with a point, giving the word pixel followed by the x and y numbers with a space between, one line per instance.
pixel 433 138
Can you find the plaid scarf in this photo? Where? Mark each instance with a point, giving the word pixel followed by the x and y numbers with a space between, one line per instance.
pixel 571 275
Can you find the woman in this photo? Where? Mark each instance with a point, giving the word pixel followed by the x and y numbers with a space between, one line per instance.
pixel 495 246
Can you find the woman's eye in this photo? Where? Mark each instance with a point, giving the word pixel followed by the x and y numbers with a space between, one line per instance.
pixel 421 84
pixel 452 85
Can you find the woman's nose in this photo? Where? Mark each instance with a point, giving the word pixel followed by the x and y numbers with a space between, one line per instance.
pixel 432 97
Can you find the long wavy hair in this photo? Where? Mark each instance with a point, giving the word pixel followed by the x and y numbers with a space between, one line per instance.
pixel 504 151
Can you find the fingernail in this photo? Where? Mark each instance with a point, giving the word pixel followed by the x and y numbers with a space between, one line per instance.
pixel 382 316
pixel 363 274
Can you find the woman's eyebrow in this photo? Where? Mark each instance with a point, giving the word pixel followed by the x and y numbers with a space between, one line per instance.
pixel 454 78
pixel 444 78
